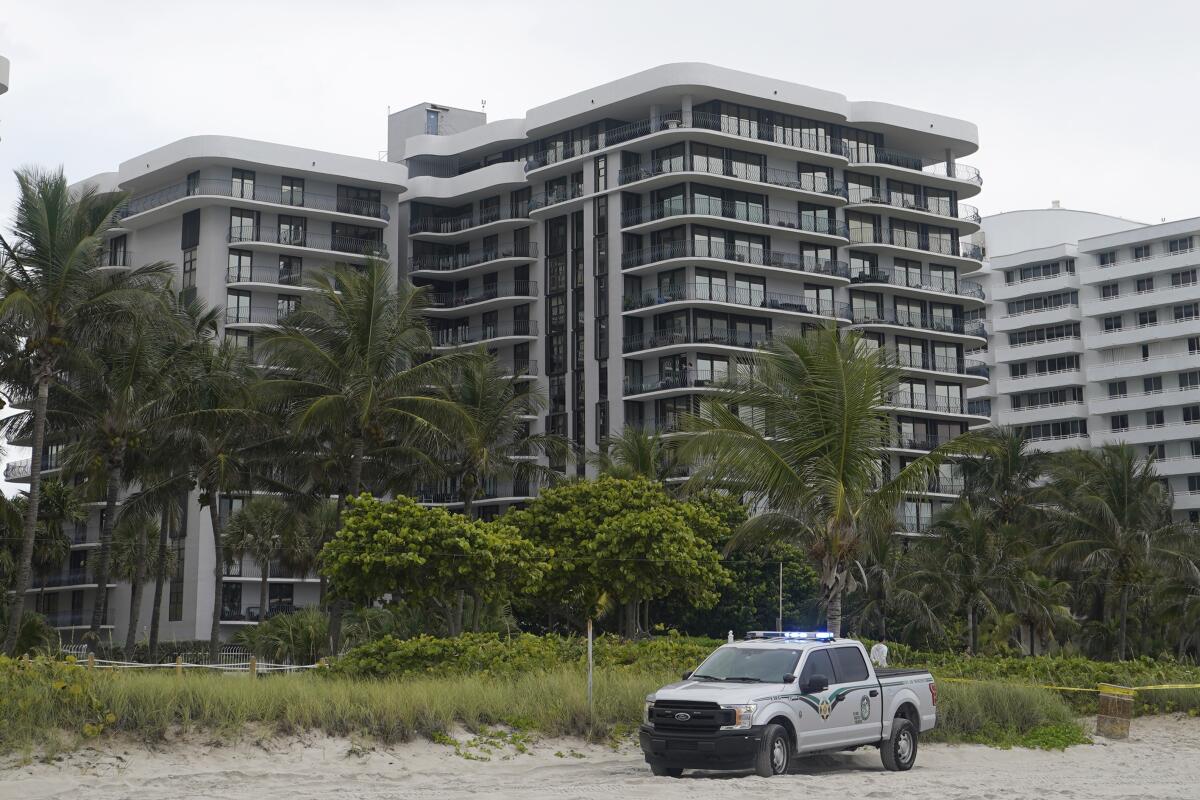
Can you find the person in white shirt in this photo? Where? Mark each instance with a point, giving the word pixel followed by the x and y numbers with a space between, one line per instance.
pixel 879 653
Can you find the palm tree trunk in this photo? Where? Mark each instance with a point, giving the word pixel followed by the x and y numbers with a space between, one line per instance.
pixel 16 606
pixel 337 609
pixel 160 578
pixel 357 454
pixel 110 512
pixel 264 589
pixel 971 634
pixel 1124 622
pixel 833 611
pixel 135 595
pixel 214 634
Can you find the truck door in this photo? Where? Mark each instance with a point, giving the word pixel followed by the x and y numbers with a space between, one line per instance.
pixel 854 715
pixel 816 726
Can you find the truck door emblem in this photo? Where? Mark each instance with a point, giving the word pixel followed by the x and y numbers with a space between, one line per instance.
pixel 864 707
pixel 683 717
pixel 824 709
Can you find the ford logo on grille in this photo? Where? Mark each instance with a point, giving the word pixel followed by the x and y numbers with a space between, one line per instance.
pixel 683 716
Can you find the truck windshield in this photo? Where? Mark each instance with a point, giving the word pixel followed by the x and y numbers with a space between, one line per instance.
pixel 751 664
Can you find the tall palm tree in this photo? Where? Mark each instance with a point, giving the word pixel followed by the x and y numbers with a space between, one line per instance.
pixel 266 528
pixel 57 301
pixel 489 437
pixel 891 588
pixel 59 507
pixel 1110 516
pixel 1004 475
pixel 134 560
pixel 802 432
pixel 638 453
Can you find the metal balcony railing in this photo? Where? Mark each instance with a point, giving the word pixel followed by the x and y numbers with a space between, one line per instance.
pixel 257 316
pixel 860 316
pixel 802 181
pixel 929 361
pixel 15 470
pixel 941 206
pixel 556 196
pixel 925 402
pixel 871 154
pixel 216 187
pixel 457 299
pixel 283 277
pixel 945 246
pixel 446 263
pixel 933 283
pixel 742 212
pixel 680 379
pixel 319 241
pixel 457 337
pixel 752 297
pixel 119 258
pixel 664 338
pixel 464 222
pixel 75 577
pixel 739 254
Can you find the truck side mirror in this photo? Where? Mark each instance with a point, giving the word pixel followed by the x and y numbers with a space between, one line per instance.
pixel 816 683
pixel 789 678
pixel 687 675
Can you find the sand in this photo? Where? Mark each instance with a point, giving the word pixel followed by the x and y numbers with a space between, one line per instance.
pixel 1160 760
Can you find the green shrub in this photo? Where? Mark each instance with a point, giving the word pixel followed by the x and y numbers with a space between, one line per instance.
pixel 41 698
pixel 1005 715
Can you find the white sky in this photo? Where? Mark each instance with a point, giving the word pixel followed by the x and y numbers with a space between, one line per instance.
pixel 1090 103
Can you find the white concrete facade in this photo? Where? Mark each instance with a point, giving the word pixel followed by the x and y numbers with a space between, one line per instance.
pixel 242 222
pixel 1096 340
pixel 625 246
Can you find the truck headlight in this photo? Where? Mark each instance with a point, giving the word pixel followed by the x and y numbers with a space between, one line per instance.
pixel 646 710
pixel 743 717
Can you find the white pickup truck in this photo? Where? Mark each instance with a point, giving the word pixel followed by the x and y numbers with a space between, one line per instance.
pixel 760 702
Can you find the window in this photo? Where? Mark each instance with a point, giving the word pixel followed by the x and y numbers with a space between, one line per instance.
pixel 1191 414
pixel 291 191
pixel 1189 380
pixel 1185 278
pixel 848 664
pixel 601 174
pixel 1194 448
pixel 1145 318
pixel 243 225
pixel 817 663
pixel 291 268
pixel 1113 323
pixel 1108 258
pixel 1193 345
pixel 237 306
pixel 1145 285
pixel 1152 385
pixel 1156 451
pixel 1042 302
pixel 189 269
pixel 286 304
pixel 193 183
pixel 1187 311
pixel 357 200
pixel 1180 245
pixel 239 269
pixel 292 230
pixel 432 117
pixel 243 183
pixel 1110 290
pixel 1116 389
pixel 1119 422
pixel 1155 419
pixel 190 233
pixel 1141 252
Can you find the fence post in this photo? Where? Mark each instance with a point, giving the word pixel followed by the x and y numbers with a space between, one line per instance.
pixel 1116 709
pixel 253 666
pixel 91 660
pixel 178 666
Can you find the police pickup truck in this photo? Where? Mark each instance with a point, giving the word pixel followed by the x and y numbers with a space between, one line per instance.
pixel 777 695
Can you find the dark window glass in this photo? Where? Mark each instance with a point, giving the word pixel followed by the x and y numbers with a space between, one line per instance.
pixel 849 665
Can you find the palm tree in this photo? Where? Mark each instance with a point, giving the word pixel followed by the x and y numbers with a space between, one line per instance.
pixel 133 560
pixel 1110 516
pixel 976 563
pixel 1004 475
pixel 891 588
pixel 802 432
pixel 266 528
pixel 635 452
pixel 57 302
pixel 59 507
pixel 489 437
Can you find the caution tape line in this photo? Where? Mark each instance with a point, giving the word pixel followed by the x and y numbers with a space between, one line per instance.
pixel 1103 689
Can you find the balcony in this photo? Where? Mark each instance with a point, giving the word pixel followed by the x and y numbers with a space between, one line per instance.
pixel 523 290
pixel 810 183
pixel 825 148
pixel 740 212
pixel 921 207
pixel 728 295
pixel 303 240
pixel 119 259
pixel 904 319
pixel 904 240
pixel 670 382
pixel 923 282
pixel 22 470
pixel 251 613
pixel 935 363
pixel 273 276
pixel 552 198
pixel 505 212
pixel 519 369
pixel 869 155
pixel 1141 267
pixel 75 577
pixel 463 261
pixel 675 338
pixel 215 187
pixel 741 255
pixel 917 401
pixel 74 619
pixel 469 335
pixel 255 316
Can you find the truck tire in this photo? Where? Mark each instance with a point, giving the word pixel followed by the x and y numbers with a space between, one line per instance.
pixel 666 772
pixel 899 752
pixel 774 752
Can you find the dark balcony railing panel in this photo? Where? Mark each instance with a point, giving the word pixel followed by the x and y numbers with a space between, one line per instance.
pixel 665 338
pixel 735 211
pixel 681 379
pixel 521 368
pixel 483 294
pixel 740 254
pixel 870 154
pixel 925 280
pixel 216 187
pixel 24 467
pixel 119 258
pixel 941 206
pixel 445 263
pixel 924 321
pixel 914 241
pixel 260 316
pixel 808 182
pixel 753 298
pixel 319 241
pixel 263 275
pixel 454 337
pixel 929 361
pixel 75 577
pixel 556 196
pixel 926 402
pixel 465 222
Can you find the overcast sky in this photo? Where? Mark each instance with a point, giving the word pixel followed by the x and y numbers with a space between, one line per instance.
pixel 1089 103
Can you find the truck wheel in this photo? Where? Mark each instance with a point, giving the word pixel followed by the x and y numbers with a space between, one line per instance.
pixel 774 752
pixel 666 772
pixel 900 750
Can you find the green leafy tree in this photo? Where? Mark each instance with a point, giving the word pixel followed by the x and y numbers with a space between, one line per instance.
pixel 624 541
pixel 54 303
pixel 428 555
pixel 802 432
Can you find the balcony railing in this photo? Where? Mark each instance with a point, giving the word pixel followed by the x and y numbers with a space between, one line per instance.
pixel 925 402
pixel 680 379
pixel 941 206
pixel 216 187
pixel 119 258
pixel 75 577
pixel 740 254
pixel 665 338
pixel 318 241
pixel 915 241
pixel 15 470
pixel 870 154
pixel 73 619
pixel 446 263
pixel 860 316
pixel 753 298
pixel 923 280
pixel 556 196
pixel 486 216
pixel 457 337
pixel 283 277
pixel 257 316
pixel 803 181
pixel 936 363
pixel 735 211
pixel 484 293
pixel 519 368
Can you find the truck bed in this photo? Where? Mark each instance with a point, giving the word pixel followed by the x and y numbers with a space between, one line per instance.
pixel 894 672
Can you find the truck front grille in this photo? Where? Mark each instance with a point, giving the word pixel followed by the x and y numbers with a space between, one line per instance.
pixel 689 716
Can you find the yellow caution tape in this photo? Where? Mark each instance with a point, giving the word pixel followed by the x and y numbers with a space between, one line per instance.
pixel 1104 688
pixel 1122 691
pixel 1168 686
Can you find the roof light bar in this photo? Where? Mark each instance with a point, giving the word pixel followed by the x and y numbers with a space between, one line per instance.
pixel 820 636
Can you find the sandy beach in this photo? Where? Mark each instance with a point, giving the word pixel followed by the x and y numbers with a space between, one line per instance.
pixel 1159 761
